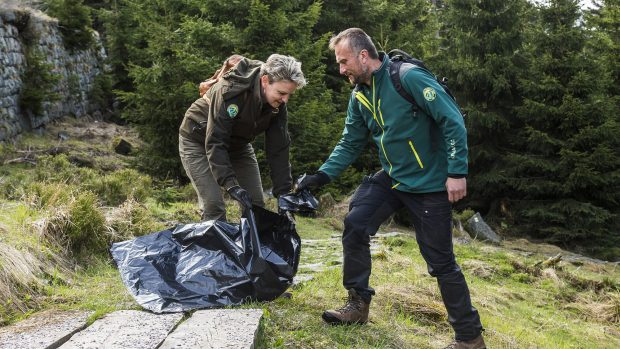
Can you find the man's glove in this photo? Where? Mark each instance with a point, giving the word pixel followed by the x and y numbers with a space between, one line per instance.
pixel 241 195
pixel 314 181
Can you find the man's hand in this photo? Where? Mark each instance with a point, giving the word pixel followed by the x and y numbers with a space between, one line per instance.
pixel 314 181
pixel 457 188
pixel 241 195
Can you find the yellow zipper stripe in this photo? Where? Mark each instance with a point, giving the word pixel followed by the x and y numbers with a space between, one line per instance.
pixel 380 113
pixel 374 98
pixel 360 97
pixel 395 185
pixel 416 154
pixel 365 102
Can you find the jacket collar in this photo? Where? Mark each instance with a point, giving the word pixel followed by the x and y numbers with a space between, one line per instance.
pixel 380 72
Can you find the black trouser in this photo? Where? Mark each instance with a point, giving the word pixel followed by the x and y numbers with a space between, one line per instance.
pixel 373 202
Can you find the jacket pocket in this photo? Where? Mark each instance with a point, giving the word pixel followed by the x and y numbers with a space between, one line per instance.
pixel 415 152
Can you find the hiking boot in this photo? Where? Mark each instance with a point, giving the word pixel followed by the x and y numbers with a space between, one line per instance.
pixel 476 343
pixel 355 311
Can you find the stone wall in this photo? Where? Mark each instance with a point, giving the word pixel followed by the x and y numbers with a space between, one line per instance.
pixel 22 28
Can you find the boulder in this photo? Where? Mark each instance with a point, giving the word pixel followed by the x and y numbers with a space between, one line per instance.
pixel 123 147
pixel 478 229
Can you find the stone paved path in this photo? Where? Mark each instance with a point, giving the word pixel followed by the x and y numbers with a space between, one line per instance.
pixel 47 329
pixel 134 329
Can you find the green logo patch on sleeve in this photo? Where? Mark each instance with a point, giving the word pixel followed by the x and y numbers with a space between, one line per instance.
pixel 232 110
pixel 429 94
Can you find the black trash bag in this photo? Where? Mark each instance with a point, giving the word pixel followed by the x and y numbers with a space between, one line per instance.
pixel 302 202
pixel 211 264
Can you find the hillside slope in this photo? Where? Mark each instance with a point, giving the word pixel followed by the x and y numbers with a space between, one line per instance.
pixel 65 195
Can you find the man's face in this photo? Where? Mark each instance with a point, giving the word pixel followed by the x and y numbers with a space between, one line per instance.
pixel 351 65
pixel 277 93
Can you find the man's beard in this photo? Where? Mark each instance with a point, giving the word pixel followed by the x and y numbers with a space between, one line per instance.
pixel 360 78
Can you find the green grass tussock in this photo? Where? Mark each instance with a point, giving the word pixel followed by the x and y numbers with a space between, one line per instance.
pixel 86 229
pixel 118 186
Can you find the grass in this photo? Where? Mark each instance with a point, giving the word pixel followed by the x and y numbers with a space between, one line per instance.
pixel 522 303
pixel 407 311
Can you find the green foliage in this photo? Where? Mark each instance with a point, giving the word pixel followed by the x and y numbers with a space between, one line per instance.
pixel 101 93
pixel 49 195
pixel 132 219
pixel 60 169
pixel 464 215
pixel 605 39
pixel 539 84
pixel 482 60
pixel 564 169
pixel 118 186
pixel 86 229
pixel 38 83
pixel 74 22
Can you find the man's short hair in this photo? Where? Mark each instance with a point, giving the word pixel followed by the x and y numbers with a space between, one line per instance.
pixel 357 39
pixel 280 67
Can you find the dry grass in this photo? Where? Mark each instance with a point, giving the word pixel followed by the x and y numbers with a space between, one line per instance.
pixel 479 268
pixel 129 220
pixel 604 308
pixel 24 272
pixel 425 307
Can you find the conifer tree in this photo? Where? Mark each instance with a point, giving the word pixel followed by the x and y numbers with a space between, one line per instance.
pixel 481 56
pixel 565 177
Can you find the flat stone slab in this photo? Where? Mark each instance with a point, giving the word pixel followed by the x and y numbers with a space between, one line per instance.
pixel 216 329
pixel 125 329
pixel 47 329
pixel 301 278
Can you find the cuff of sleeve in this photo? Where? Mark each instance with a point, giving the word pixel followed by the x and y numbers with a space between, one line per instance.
pixel 323 178
pixel 230 182
pixel 456 175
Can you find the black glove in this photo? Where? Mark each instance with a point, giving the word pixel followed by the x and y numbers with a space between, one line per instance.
pixel 241 195
pixel 314 181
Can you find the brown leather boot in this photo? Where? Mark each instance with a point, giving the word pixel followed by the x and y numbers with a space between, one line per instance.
pixel 476 343
pixel 355 311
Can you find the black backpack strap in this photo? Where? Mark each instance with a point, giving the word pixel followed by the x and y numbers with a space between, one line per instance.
pixel 395 77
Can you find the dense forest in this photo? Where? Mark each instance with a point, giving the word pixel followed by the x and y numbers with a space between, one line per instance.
pixel 539 82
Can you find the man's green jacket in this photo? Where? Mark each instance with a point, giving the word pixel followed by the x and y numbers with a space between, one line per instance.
pixel 417 149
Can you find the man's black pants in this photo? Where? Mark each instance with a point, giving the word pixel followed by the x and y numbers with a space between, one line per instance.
pixel 373 202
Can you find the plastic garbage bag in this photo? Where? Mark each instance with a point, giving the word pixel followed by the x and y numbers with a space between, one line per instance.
pixel 302 202
pixel 212 263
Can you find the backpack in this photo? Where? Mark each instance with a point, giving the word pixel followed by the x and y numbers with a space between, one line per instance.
pixel 398 57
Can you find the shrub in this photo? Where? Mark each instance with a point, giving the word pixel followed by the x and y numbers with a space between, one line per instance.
pixel 131 219
pixel 59 169
pixel 101 94
pixel 121 185
pixel 87 229
pixel 74 22
pixel 46 195
pixel 38 83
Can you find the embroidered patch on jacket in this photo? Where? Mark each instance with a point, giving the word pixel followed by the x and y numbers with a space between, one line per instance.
pixel 429 94
pixel 232 110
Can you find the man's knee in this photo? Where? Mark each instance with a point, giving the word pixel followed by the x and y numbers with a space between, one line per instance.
pixel 355 228
pixel 446 270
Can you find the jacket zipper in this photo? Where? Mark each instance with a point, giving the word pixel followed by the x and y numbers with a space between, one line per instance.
pixel 416 154
pixel 365 102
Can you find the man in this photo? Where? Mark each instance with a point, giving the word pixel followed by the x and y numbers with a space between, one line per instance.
pixel 216 132
pixel 424 159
